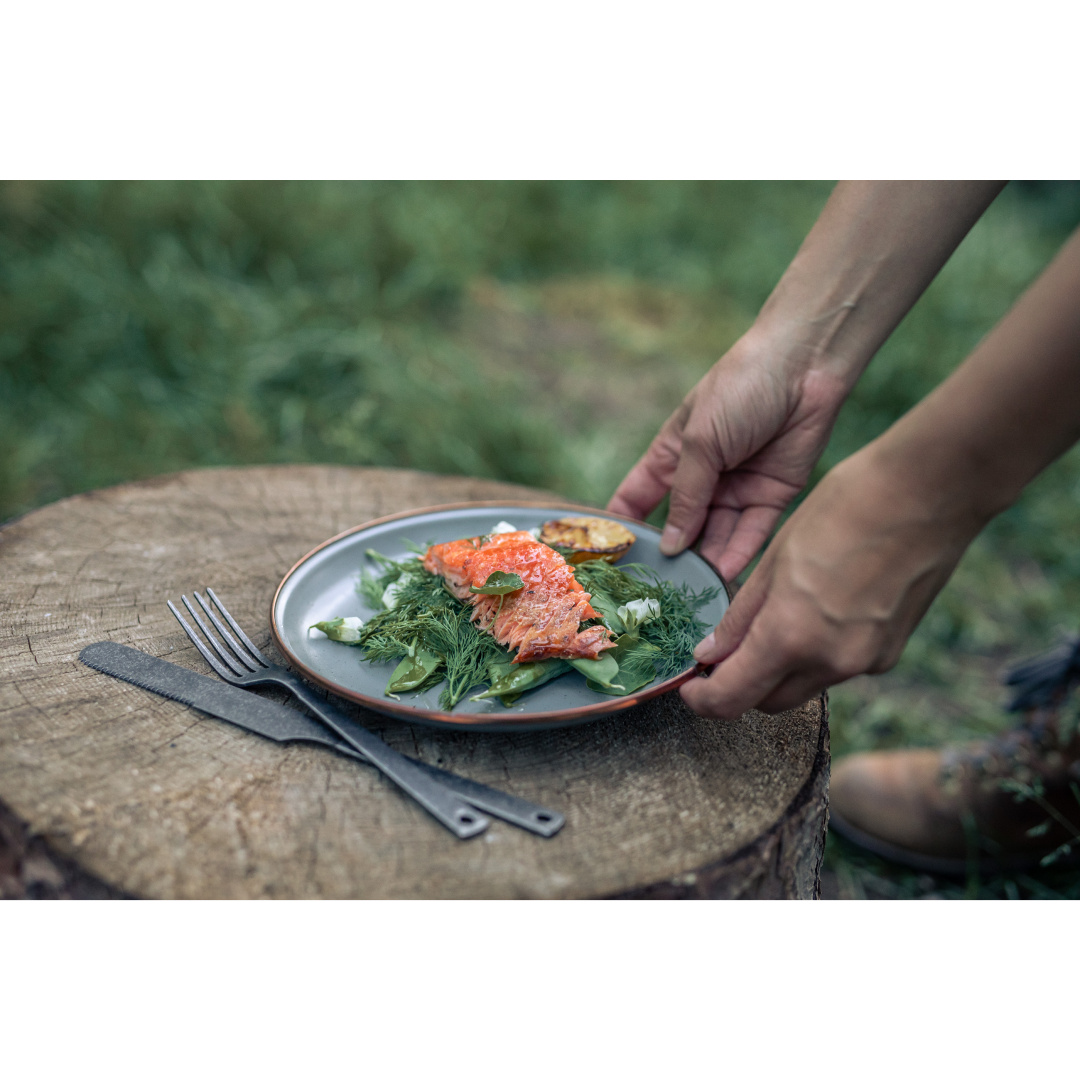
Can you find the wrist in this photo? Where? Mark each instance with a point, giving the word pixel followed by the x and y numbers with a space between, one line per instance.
pixel 795 354
pixel 921 479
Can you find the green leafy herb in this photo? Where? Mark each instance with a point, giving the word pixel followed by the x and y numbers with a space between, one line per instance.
pixel 603 671
pixel 499 583
pixel 450 632
pixel 609 612
pixel 373 587
pixel 675 631
pixel 636 660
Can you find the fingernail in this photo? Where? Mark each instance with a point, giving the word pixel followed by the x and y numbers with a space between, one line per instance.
pixel 705 647
pixel 671 540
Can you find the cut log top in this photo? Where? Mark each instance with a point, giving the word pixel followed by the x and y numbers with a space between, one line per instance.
pixel 157 800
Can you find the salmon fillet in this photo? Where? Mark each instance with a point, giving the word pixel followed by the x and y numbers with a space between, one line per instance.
pixel 541 620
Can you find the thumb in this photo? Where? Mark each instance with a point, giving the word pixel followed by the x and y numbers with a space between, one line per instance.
pixel 735 623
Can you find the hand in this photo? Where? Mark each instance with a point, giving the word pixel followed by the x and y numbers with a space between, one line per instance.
pixel 737 451
pixel 743 442
pixel 837 593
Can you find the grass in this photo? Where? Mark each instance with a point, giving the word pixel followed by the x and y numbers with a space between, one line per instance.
pixel 538 333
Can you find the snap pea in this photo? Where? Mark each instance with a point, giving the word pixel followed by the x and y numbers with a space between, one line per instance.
pixel 345 630
pixel 509 681
pixel 414 670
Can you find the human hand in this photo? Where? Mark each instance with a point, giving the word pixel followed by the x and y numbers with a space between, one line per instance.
pixel 742 444
pixel 837 593
pixel 737 450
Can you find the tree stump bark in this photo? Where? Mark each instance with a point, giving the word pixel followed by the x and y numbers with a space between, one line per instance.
pixel 149 798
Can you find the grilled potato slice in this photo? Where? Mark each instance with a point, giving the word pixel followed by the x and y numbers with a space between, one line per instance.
pixel 588 538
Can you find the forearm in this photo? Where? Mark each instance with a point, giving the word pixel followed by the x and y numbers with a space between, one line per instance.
pixel 1008 411
pixel 742 444
pixel 874 249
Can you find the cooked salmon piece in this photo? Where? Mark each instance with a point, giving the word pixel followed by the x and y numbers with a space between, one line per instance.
pixel 542 619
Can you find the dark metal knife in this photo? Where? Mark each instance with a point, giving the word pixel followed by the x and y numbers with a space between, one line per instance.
pixel 283 724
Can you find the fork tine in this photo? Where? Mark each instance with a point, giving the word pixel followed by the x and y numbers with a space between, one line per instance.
pixel 214 643
pixel 239 633
pixel 216 665
pixel 242 656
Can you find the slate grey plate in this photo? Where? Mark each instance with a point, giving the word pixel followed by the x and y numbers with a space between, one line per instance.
pixel 322 585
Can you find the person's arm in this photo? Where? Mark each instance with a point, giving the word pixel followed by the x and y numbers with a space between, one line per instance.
pixel 742 444
pixel 852 572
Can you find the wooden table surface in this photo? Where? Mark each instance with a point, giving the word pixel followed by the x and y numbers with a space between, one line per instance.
pixel 150 798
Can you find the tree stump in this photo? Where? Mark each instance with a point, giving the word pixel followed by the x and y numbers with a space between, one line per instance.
pixel 150 798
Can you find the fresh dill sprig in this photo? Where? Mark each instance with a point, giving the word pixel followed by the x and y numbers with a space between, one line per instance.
pixel 468 653
pixel 676 630
pixel 389 634
pixel 425 611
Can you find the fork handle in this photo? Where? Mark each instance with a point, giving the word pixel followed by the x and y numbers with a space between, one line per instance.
pixel 457 815
pixel 526 815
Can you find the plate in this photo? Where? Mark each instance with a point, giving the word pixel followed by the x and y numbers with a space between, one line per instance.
pixel 322 585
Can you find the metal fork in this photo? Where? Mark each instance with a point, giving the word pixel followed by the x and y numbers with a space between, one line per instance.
pixel 451 799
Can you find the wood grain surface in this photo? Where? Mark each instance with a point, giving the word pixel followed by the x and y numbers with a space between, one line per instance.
pixel 153 799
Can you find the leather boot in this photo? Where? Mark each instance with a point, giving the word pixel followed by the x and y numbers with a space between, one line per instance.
pixel 1003 804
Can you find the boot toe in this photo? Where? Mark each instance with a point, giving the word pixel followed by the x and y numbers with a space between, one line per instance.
pixel 900 798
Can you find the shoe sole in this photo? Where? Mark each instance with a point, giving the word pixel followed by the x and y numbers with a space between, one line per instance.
pixel 935 864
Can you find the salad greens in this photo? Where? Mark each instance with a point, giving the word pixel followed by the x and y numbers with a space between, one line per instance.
pixel 421 624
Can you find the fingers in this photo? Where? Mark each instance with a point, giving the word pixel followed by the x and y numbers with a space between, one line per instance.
pixel 796 690
pixel 766 654
pixel 746 535
pixel 736 622
pixel 719 528
pixel 746 677
pixel 641 491
pixel 691 493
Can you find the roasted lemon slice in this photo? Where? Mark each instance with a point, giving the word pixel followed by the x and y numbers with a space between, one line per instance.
pixel 587 538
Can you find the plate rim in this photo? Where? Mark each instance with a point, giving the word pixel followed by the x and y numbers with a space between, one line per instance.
pixel 480 721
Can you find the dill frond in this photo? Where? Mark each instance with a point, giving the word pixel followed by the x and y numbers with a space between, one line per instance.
pixel 449 632
pixel 677 630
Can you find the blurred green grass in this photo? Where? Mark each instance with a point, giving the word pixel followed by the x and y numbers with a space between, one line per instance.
pixel 534 332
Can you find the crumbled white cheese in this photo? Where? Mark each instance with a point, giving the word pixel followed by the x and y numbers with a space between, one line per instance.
pixel 502 527
pixel 389 596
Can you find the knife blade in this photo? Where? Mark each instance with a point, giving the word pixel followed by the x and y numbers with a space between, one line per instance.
pixel 283 724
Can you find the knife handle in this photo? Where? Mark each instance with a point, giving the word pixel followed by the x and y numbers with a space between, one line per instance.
pixel 520 812
pixel 458 816
pixel 526 815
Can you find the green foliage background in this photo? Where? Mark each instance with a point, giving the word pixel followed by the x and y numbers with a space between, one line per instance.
pixel 537 332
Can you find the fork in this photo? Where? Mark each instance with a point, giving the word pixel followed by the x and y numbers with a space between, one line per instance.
pixel 452 799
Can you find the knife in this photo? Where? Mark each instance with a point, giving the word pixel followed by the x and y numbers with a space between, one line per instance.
pixel 284 724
